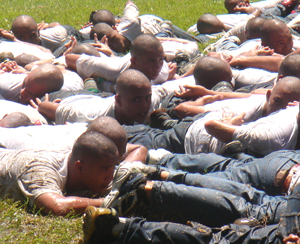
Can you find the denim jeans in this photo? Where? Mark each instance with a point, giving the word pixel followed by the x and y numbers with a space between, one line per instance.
pixel 212 207
pixel 259 173
pixel 139 230
pixel 151 138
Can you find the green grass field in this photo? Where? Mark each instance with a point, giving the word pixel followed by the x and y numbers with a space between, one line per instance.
pixel 16 224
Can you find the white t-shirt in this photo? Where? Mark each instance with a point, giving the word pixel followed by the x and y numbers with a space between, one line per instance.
pixel 44 137
pixel 171 47
pixel 252 106
pixel 110 68
pixel 252 76
pixel 54 37
pixel 29 174
pixel 11 85
pixel 84 108
pixel 277 131
pixel 198 140
pixel 72 81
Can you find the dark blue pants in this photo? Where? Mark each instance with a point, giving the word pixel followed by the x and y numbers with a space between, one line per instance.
pixel 139 230
pixel 259 173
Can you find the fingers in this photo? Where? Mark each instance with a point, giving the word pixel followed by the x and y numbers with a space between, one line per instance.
pixel 58 100
pixel 33 104
pixel 96 38
pixel 46 97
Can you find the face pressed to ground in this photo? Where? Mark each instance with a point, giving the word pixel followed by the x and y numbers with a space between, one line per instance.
pixel 97 176
pixel 27 34
pixel 116 42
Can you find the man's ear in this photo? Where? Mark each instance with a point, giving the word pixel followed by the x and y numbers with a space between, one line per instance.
pixel 118 100
pixel 268 94
pixel 133 62
pixel 78 167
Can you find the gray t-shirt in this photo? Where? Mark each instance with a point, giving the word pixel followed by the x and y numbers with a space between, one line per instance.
pixel 29 174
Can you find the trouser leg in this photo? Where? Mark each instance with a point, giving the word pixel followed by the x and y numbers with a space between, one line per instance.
pixel 139 230
pixel 250 194
pixel 260 173
pixel 181 203
pixel 200 163
pixel 172 139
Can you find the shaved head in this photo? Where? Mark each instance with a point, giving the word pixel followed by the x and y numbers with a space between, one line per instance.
pixel 290 66
pixel 209 24
pixel 44 79
pixel 143 43
pixel 276 35
pixel 86 49
pixel 15 119
pixel 101 29
pixel 286 90
pixel 253 27
pixel 130 80
pixel 111 128
pixel 103 15
pixel 25 29
pixel 209 71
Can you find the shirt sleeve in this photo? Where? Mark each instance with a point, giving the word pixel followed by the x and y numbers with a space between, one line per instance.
pixel 268 134
pixel 104 67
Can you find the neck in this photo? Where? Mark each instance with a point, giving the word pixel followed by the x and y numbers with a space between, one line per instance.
pixel 264 113
pixel 121 117
pixel 72 184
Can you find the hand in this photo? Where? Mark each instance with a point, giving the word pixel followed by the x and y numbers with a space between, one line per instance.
pixel 172 70
pixel 102 46
pixel 208 99
pixel 39 103
pixel 7 35
pixel 294 103
pixel 42 25
pixel 188 91
pixel 229 119
pixel 291 239
pixel 86 25
pixel 70 45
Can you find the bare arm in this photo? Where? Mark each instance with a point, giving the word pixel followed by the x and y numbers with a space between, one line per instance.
pixel 135 153
pixel 53 203
pixel 223 130
pixel 71 60
pixel 46 108
pixel 220 130
pixel 189 91
pixel 271 63
pixel 192 108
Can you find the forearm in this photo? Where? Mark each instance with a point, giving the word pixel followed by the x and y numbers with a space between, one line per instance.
pixel 221 131
pixel 48 109
pixel 71 60
pixel 188 109
pixel 135 153
pixel 61 206
pixel 271 63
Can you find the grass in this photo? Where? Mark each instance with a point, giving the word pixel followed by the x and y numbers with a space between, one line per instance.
pixel 19 226
pixel 76 12
pixel 16 224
